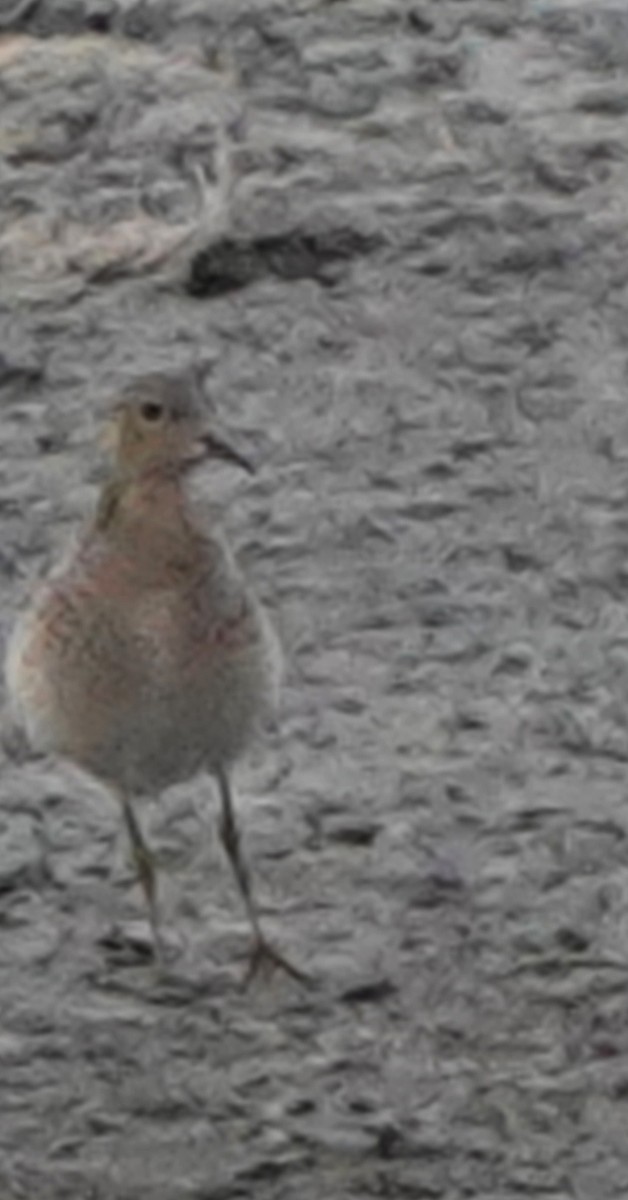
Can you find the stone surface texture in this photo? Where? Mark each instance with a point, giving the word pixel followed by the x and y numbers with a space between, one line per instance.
pixel 394 236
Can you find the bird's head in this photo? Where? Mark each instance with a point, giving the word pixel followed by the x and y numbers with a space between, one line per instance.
pixel 157 424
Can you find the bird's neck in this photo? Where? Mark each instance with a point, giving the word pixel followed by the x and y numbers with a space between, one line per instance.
pixel 146 510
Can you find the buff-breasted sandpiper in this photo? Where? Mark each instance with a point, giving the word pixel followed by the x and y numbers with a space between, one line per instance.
pixel 144 658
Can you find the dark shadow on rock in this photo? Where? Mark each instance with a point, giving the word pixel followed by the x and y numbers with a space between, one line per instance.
pixel 233 263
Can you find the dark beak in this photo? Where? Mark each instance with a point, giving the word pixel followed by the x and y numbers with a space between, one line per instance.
pixel 214 447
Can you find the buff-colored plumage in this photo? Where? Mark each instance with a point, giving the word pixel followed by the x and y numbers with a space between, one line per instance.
pixel 144 658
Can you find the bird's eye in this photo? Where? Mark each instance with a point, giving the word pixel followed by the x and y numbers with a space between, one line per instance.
pixel 151 411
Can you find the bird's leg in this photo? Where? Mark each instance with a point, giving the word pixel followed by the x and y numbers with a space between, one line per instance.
pixel 263 954
pixel 145 864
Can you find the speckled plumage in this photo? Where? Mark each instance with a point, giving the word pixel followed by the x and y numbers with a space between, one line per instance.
pixel 144 658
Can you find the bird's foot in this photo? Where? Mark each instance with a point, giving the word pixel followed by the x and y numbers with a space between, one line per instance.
pixel 264 960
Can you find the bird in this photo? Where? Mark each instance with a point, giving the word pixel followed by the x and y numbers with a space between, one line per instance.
pixel 143 656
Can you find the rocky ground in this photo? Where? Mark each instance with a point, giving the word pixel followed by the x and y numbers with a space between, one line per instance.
pixel 394 237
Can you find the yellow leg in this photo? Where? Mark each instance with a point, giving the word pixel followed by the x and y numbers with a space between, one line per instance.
pixel 146 870
pixel 264 956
